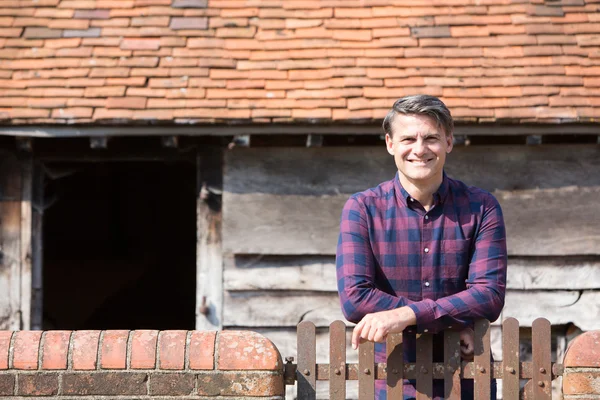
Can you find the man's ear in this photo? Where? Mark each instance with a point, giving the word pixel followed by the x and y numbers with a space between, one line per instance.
pixel 389 144
pixel 450 142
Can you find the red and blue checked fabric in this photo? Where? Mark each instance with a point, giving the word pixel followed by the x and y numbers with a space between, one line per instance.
pixel 448 264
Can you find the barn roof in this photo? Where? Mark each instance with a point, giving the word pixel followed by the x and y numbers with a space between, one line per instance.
pixel 279 61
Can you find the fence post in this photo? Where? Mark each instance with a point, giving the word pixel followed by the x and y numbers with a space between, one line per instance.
pixel 582 367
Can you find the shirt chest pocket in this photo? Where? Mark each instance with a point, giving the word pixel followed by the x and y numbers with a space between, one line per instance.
pixel 455 259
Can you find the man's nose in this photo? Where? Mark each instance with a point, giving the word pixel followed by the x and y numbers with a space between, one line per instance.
pixel 419 147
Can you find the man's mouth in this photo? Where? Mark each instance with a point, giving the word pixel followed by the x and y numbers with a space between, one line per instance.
pixel 420 162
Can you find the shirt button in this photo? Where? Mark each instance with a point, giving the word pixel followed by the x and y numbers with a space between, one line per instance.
pixel 427 284
pixel 426 250
pixel 411 199
pixel 425 330
pixel 427 217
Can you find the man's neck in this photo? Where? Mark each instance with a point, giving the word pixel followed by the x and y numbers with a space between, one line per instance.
pixel 421 191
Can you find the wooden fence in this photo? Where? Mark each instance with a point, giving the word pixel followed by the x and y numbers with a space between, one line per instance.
pixel 540 372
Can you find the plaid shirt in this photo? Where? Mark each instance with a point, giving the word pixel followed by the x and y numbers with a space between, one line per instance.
pixel 447 264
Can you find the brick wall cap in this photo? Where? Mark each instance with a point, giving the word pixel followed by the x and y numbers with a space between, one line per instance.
pixel 246 350
pixel 584 351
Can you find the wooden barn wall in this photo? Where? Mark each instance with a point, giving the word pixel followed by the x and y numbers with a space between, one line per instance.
pixel 281 210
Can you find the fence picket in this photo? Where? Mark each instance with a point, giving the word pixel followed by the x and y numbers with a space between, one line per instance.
pixel 366 371
pixel 542 366
pixel 395 367
pixel 424 366
pixel 306 373
pixel 452 365
pixel 337 360
pixel 510 358
pixel 483 370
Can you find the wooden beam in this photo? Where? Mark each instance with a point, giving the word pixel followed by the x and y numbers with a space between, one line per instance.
pixel 11 185
pixel 26 236
pixel 37 245
pixel 288 129
pixel 209 263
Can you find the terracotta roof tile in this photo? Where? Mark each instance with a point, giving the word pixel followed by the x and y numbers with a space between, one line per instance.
pixel 199 61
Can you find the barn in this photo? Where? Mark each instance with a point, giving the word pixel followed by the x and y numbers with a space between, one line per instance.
pixel 182 164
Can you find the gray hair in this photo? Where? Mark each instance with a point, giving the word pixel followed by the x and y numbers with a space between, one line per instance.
pixel 421 104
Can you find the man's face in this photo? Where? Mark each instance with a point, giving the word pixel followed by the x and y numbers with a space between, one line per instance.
pixel 419 148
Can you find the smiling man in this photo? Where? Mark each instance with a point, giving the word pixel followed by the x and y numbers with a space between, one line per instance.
pixel 422 251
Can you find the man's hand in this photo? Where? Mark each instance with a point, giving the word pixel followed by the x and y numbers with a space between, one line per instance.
pixel 375 327
pixel 467 344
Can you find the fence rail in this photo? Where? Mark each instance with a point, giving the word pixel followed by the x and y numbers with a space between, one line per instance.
pixel 540 372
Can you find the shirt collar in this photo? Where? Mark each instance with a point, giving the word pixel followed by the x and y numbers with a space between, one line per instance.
pixel 438 197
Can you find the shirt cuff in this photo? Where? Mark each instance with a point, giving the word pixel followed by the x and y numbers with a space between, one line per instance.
pixel 424 313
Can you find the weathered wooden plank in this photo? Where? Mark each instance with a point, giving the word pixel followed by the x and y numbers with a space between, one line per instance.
pixel 366 371
pixel 483 372
pixel 37 248
pixel 559 307
pixel 351 169
pixel 424 367
pixel 542 367
pixel 280 308
pixel 452 360
pixel 260 272
pixel 209 259
pixel 395 366
pixel 298 272
pixel 337 361
pixel 255 309
pixel 10 242
pixel 26 235
pixel 306 374
pixel 510 358
pixel 294 224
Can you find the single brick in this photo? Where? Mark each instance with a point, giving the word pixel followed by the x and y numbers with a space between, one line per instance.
pixel 105 383
pixel 26 346
pixel 69 24
pixel 55 349
pixel 4 348
pixel 70 113
pixel 171 349
pixel 113 354
pixel 240 384
pixel 430 31
pixel 167 384
pixel 143 344
pixel 250 350
pixel 38 384
pixel 138 103
pixel 102 113
pixel 584 351
pixel 42 33
pixel 83 33
pixel 178 23
pixel 7 384
pixel 140 44
pixel 202 350
pixel 104 91
pixel 543 10
pixel 189 3
pixel 85 347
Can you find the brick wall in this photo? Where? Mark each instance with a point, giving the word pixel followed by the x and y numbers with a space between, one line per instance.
pixel 139 363
pixel 581 379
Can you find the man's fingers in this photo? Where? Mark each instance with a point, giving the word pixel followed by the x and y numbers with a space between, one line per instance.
pixel 356 334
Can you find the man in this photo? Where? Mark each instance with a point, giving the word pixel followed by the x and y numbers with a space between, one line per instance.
pixel 422 249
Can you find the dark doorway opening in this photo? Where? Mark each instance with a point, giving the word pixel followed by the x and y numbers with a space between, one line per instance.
pixel 119 246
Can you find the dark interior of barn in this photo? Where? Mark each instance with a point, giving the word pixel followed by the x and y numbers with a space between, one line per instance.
pixel 119 245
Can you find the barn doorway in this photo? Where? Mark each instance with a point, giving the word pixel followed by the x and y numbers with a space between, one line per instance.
pixel 119 245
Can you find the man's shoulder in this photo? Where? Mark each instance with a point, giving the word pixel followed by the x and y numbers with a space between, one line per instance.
pixel 472 194
pixel 382 191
